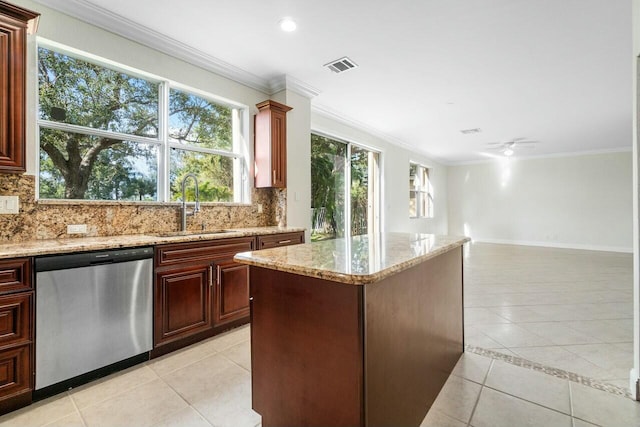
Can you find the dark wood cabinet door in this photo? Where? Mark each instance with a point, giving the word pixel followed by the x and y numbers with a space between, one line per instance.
pixel 231 297
pixel 270 144
pixel 13 46
pixel 15 375
pixel 15 319
pixel 182 302
pixel 278 149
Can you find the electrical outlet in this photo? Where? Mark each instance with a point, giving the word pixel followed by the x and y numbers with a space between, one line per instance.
pixel 77 229
pixel 259 207
pixel 9 205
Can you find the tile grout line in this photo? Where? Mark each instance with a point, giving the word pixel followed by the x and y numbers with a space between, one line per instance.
pixel 73 402
pixel 184 399
pixel 475 405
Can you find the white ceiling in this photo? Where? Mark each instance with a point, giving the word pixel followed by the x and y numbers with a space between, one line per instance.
pixel 556 71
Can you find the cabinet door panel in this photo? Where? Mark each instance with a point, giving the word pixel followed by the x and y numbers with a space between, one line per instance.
pixel 14 370
pixel 15 319
pixel 182 303
pixel 232 292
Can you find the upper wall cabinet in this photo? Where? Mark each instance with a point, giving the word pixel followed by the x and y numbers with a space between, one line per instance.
pixel 271 145
pixel 15 24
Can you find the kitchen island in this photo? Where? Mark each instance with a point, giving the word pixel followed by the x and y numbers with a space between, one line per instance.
pixel 358 331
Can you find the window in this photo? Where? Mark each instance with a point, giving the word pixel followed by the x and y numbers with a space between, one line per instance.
pixel 420 192
pixel 344 189
pixel 110 133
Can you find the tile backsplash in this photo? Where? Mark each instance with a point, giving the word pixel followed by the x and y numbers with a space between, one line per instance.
pixel 49 219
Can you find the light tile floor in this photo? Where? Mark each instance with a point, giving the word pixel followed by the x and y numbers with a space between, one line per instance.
pixel 208 384
pixel 568 309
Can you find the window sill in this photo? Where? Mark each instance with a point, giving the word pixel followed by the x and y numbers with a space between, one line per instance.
pixel 67 202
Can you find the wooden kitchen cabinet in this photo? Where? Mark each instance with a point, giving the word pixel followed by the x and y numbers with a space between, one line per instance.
pixel 231 292
pixel 16 334
pixel 270 144
pixel 199 291
pixel 15 23
pixel 282 239
pixel 182 302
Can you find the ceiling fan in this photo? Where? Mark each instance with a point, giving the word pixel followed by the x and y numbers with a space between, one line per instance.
pixel 508 148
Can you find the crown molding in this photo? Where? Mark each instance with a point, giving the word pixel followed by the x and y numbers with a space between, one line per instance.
pixel 341 118
pixel 117 24
pixel 291 83
pixel 545 156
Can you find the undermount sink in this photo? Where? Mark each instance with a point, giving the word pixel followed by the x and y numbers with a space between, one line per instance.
pixel 191 233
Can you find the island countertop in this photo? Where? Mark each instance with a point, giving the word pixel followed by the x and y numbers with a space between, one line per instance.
pixel 356 260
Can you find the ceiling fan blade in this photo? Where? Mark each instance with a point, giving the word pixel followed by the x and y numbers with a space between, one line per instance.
pixel 495 143
pixel 527 142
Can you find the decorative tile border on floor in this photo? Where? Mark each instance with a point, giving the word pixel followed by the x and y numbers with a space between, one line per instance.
pixel 558 373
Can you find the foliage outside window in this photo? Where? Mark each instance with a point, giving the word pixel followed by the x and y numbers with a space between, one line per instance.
pixel 337 208
pixel 420 192
pixel 106 134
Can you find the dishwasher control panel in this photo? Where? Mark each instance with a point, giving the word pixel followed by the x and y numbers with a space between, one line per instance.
pixel 86 259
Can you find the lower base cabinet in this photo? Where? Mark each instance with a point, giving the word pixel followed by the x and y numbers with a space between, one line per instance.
pixel 231 292
pixel 182 302
pixel 201 291
pixel 16 334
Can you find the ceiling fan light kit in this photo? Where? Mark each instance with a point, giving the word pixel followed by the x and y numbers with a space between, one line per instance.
pixel 509 148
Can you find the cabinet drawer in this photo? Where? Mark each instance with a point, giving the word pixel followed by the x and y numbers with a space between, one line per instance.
pixel 15 318
pixel 284 239
pixel 202 250
pixel 15 275
pixel 15 368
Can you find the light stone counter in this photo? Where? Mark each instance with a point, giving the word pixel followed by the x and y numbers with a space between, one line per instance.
pixel 357 260
pixel 83 244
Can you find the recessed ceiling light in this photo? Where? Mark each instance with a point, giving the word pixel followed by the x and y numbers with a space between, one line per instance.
pixel 288 24
pixel 508 152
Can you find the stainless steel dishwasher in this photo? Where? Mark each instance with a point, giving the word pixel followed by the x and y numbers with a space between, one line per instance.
pixel 92 310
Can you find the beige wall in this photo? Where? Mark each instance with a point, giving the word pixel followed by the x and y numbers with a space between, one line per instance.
pixel 582 201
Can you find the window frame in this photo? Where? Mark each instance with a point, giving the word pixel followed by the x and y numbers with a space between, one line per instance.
pixel 164 144
pixel 424 192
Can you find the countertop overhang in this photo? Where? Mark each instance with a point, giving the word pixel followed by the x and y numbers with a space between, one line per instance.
pixel 85 244
pixel 356 260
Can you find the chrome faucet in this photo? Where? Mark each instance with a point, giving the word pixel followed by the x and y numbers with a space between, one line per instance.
pixel 196 206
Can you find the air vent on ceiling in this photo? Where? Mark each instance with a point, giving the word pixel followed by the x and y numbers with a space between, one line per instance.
pixel 470 131
pixel 341 65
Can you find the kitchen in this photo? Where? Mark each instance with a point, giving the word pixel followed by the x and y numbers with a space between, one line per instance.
pixel 269 207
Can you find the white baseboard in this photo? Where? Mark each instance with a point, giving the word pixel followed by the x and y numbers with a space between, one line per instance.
pixel 556 245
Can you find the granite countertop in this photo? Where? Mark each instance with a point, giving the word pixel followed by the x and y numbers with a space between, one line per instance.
pixel 82 244
pixel 357 260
